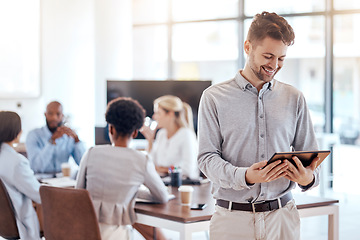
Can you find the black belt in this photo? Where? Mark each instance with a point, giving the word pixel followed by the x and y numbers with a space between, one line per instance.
pixel 256 206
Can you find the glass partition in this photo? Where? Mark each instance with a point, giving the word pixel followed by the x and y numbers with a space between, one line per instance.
pixel 150 52
pixel 184 10
pixel 206 50
pixel 150 11
pixel 283 6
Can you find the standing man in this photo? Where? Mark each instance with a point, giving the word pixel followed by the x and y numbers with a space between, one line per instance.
pixel 50 146
pixel 242 123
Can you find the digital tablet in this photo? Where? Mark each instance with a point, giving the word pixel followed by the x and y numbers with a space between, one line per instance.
pixel 305 157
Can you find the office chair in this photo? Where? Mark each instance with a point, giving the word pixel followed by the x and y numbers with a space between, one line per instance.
pixel 68 214
pixel 8 227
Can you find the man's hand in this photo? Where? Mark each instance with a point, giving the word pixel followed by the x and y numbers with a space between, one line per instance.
pixel 300 174
pixel 258 173
pixel 71 133
pixel 60 131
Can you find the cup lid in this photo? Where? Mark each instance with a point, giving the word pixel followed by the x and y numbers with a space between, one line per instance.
pixel 185 188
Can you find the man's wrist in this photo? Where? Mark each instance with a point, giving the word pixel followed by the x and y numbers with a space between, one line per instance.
pixel 247 181
pixel 308 185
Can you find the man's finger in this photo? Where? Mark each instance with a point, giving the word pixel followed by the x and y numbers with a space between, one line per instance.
pixel 259 165
pixel 298 162
pixel 314 163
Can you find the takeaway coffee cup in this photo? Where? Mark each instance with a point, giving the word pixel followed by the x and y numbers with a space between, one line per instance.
pixel 186 194
pixel 66 169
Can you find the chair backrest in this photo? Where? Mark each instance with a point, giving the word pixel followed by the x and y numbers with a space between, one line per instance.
pixel 8 227
pixel 68 214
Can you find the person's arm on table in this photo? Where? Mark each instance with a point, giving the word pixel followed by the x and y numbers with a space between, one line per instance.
pixel 158 192
pixel 163 171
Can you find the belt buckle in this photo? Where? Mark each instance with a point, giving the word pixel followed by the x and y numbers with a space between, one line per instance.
pixel 279 203
pixel 254 203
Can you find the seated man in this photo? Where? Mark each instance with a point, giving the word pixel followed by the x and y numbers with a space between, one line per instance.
pixel 50 146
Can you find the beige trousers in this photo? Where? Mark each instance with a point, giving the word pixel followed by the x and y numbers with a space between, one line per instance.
pixel 281 224
pixel 114 232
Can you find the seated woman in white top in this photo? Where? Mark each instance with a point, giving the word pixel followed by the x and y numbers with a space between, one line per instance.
pixel 18 178
pixel 175 143
pixel 113 173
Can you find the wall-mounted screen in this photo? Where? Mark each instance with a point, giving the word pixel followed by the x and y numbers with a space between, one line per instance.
pixel 147 91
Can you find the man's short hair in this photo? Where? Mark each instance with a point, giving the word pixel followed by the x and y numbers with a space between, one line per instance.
pixel 270 25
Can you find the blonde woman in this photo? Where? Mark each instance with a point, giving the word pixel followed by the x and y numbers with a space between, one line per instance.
pixel 175 143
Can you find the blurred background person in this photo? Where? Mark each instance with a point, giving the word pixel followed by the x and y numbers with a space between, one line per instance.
pixel 175 143
pixel 113 174
pixel 51 145
pixel 18 178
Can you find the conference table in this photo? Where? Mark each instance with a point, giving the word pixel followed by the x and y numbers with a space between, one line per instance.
pixel 176 217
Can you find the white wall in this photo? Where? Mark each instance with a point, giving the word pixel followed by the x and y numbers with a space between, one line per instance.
pixel 113 50
pixel 83 43
pixel 68 60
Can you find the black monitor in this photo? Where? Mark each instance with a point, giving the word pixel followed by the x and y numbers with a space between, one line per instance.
pixel 146 91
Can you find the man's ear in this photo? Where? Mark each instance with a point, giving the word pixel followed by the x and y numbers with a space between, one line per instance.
pixel 135 133
pixel 247 47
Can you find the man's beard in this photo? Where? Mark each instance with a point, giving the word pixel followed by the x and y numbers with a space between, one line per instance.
pixel 261 76
pixel 53 129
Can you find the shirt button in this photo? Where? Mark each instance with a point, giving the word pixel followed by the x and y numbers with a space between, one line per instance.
pixel 262 135
pixel 262 195
pixel 262 155
pixel 261 116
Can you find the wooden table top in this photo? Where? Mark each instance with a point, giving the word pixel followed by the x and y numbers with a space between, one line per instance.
pixel 173 210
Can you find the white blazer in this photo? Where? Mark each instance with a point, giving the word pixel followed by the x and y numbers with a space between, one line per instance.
pixel 23 187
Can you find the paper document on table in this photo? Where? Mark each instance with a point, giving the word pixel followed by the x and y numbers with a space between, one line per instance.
pixel 144 194
pixel 60 182
pixel 142 200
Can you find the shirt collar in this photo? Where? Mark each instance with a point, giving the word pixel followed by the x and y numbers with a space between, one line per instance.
pixel 7 147
pixel 246 85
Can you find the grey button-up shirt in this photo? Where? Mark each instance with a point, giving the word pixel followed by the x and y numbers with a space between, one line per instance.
pixel 239 126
